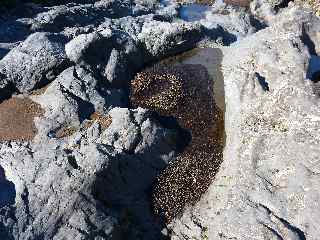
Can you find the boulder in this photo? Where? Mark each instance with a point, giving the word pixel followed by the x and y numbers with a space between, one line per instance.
pixel 160 39
pixel 71 99
pixel 35 62
pixel 113 54
pixel 80 186
pixel 228 23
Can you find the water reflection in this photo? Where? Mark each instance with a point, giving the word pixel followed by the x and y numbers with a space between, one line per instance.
pixel 193 12
pixel 211 59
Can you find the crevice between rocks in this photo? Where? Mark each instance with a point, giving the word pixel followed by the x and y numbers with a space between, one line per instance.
pixel 7 91
pixel 295 230
pixel 308 42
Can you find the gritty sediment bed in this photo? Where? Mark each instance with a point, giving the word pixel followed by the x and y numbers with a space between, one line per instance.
pixel 186 93
pixel 16 119
pixel 78 162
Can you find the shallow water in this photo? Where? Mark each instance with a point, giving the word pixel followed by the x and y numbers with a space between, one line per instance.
pixel 211 59
pixel 197 11
pixel 193 12
pixel 190 88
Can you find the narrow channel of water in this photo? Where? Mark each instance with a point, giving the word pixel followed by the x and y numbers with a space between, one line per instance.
pixel 199 11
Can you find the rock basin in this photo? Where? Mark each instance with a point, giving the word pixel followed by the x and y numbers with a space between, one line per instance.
pixel 187 88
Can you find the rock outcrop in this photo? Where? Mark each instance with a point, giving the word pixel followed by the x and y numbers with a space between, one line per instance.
pixel 35 62
pixel 268 184
pixel 79 160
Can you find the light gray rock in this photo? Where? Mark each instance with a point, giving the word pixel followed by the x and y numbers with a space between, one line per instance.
pixel 168 8
pixel 91 183
pixel 72 98
pixel 268 184
pixel 82 178
pixel 34 62
pixel 59 17
pixel 160 39
pixel 5 48
pixel 268 9
pixel 80 188
pixel 113 54
pixel 228 23
pixel 60 207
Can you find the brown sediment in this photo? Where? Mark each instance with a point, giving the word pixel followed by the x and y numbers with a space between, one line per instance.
pixel 65 132
pixel 185 92
pixel 17 119
pixel 240 3
pixel 202 2
pixel 104 121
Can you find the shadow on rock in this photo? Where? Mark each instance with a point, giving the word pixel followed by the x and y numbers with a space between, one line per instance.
pixel 219 32
pixel 7 190
pixel 125 186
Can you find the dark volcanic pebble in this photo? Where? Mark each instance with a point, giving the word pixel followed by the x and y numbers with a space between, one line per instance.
pixel 186 93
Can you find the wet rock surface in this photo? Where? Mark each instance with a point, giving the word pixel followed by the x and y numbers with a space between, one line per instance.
pixel 78 161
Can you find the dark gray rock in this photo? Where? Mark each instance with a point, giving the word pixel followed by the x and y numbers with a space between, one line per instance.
pixel 74 15
pixel 71 15
pixel 84 186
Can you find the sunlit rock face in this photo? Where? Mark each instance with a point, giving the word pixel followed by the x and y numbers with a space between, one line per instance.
pixel 81 159
pixel 272 145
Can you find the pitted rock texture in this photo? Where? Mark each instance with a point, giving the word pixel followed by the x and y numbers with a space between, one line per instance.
pixel 35 62
pixel 87 162
pixel 268 184
pixel 186 93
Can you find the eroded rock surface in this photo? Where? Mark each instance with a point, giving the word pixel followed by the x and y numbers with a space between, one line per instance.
pixel 35 62
pixel 78 162
pixel 268 183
